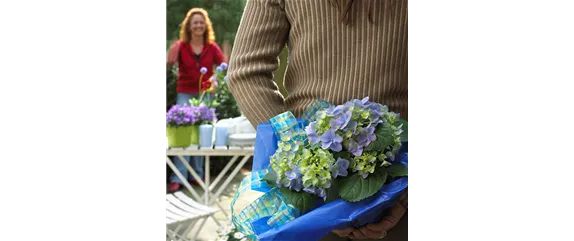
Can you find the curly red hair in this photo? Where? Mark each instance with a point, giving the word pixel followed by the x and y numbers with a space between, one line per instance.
pixel 185 33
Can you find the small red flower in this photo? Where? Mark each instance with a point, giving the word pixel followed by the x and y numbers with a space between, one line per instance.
pixel 205 85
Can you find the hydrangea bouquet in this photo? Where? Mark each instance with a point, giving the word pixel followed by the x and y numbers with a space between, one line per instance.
pixel 338 155
pixel 347 151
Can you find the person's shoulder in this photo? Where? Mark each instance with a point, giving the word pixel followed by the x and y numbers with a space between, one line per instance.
pixel 183 44
pixel 214 45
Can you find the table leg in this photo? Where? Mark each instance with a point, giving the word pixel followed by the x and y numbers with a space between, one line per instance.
pixel 231 176
pixel 206 187
pixel 222 173
pixel 185 183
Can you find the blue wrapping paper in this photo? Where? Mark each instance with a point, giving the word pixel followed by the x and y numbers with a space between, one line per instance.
pixel 265 146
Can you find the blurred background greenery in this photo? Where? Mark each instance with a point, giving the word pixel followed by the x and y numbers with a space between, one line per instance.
pixel 225 16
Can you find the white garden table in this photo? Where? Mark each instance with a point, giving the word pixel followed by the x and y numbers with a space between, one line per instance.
pixel 209 197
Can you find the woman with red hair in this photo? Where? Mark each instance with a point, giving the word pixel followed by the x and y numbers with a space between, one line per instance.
pixel 195 53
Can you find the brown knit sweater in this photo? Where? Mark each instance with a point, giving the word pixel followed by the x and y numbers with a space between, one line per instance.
pixel 327 59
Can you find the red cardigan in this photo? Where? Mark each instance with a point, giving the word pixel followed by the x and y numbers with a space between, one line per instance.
pixel 187 80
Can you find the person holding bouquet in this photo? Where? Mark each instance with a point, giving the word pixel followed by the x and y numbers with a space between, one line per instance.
pixel 338 50
pixel 195 53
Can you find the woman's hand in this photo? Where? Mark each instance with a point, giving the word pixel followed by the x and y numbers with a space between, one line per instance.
pixel 173 52
pixel 378 230
pixel 214 83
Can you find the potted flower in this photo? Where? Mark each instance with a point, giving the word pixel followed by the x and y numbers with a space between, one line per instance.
pixel 180 121
pixel 194 125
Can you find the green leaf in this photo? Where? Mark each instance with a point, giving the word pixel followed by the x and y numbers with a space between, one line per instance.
pixel 397 170
pixel 405 134
pixel 301 200
pixel 384 139
pixel 343 154
pixel 390 179
pixel 356 188
pixel 333 191
pixel 271 178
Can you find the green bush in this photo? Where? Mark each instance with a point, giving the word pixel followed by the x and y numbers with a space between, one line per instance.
pixel 227 107
pixel 225 16
pixel 171 84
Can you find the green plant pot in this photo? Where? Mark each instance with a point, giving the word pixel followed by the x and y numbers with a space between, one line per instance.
pixel 182 136
pixel 195 135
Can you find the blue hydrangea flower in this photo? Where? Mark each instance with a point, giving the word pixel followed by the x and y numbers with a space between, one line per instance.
pixel 352 126
pixel 316 191
pixel 365 101
pixel 203 70
pixel 335 110
pixel 218 69
pixel 354 148
pixel 342 120
pixel 294 176
pixel 366 136
pixel 223 65
pixel 332 141
pixel 312 135
pixel 340 168
pixel 321 193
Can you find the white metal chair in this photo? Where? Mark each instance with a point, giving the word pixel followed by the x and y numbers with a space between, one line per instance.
pixel 182 216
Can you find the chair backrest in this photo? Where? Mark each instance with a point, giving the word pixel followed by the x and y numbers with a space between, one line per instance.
pixel 179 207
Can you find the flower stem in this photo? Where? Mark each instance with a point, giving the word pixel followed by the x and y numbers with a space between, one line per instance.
pixel 201 97
pixel 200 78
